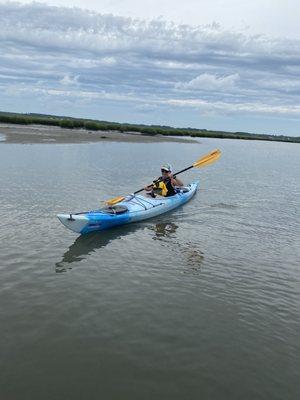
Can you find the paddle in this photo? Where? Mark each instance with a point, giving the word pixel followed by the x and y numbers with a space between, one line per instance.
pixel 202 162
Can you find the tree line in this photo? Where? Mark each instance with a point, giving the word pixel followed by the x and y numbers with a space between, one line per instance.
pixel 94 125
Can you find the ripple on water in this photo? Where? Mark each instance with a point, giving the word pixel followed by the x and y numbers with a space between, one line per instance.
pixel 203 296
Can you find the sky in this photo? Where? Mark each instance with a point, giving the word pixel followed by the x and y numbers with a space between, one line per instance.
pixel 219 64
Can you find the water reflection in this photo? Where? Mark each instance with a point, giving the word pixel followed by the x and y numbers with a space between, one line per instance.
pixel 87 244
pixel 194 258
pixel 165 232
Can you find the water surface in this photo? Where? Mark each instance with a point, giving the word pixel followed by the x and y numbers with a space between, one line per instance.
pixel 200 303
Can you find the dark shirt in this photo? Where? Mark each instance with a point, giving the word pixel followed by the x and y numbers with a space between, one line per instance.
pixel 171 190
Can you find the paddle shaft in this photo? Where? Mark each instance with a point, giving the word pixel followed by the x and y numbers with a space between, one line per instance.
pixel 160 178
pixel 205 160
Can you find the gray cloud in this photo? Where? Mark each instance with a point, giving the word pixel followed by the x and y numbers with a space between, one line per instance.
pixel 72 53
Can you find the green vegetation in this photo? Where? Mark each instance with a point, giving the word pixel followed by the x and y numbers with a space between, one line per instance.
pixel 94 125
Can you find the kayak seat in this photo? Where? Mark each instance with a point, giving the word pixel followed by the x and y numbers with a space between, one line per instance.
pixel 115 209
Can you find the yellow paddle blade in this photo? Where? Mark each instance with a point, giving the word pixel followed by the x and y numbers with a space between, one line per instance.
pixel 115 200
pixel 208 159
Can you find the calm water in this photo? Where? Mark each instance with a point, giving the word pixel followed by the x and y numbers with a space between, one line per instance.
pixel 202 303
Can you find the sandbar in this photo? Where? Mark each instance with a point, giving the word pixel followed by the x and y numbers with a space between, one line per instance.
pixel 33 134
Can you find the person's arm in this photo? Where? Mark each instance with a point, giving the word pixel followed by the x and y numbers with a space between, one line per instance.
pixel 175 181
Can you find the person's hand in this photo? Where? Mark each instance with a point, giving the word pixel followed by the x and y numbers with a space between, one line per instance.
pixel 173 179
pixel 148 188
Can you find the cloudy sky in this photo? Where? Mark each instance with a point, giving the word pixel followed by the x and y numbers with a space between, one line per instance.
pixel 214 64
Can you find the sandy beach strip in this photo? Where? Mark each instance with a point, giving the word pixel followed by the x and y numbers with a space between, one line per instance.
pixel 31 134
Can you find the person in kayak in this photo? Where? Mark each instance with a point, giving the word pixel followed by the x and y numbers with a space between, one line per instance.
pixel 165 187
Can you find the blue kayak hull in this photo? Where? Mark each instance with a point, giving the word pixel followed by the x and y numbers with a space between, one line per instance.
pixel 137 208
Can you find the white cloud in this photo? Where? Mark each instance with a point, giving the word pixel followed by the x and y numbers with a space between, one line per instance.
pixel 210 82
pixel 79 54
pixel 236 108
pixel 282 85
pixel 276 18
pixel 69 80
pixel 108 60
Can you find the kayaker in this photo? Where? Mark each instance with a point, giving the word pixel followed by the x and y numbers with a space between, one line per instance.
pixel 165 187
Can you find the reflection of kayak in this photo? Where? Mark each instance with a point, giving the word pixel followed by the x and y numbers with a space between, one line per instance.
pixel 84 245
pixel 132 209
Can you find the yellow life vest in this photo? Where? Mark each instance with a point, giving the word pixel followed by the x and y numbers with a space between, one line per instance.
pixel 160 188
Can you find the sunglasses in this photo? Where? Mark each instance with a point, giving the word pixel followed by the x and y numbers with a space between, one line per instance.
pixel 164 170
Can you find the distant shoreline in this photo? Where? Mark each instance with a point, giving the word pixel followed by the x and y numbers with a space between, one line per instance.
pixel 39 134
pixel 94 130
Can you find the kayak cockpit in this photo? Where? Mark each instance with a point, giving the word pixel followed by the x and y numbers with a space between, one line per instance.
pixel 117 209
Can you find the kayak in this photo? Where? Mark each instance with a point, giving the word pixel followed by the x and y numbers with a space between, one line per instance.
pixel 133 208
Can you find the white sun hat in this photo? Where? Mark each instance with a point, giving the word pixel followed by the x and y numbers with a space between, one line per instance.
pixel 167 167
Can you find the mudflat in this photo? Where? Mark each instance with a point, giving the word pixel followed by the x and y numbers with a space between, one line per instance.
pixel 30 134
